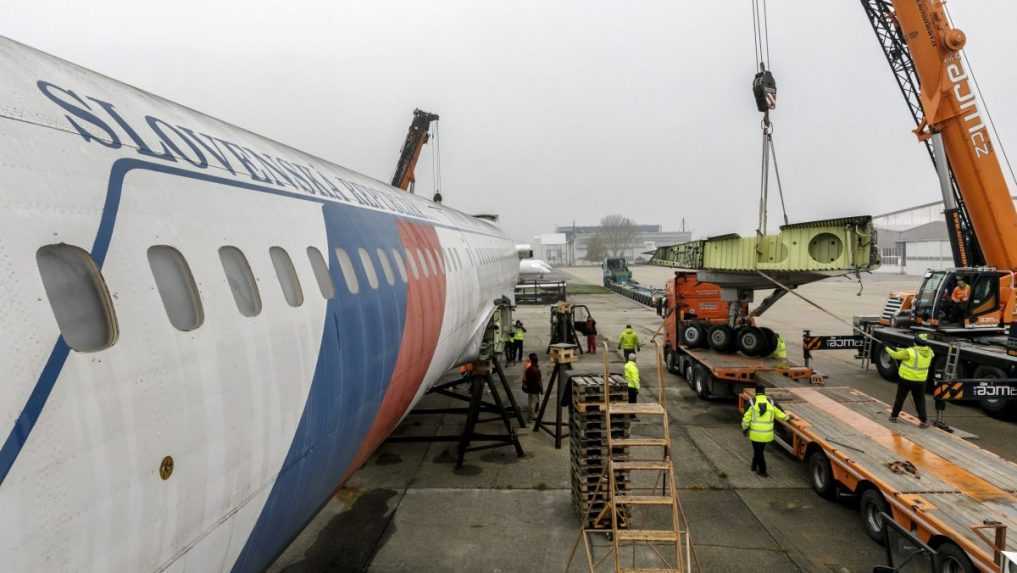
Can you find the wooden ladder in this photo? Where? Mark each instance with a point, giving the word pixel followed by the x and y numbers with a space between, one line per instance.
pixel 661 469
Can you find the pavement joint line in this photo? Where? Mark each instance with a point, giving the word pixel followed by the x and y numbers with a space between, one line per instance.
pixel 797 557
pixel 742 547
pixel 485 489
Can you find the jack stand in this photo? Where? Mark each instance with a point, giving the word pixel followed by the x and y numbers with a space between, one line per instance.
pixel 508 391
pixel 480 377
pixel 563 356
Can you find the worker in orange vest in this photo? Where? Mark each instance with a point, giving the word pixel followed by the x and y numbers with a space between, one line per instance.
pixel 960 296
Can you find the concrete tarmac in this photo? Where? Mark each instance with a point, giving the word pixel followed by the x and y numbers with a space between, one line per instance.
pixel 409 509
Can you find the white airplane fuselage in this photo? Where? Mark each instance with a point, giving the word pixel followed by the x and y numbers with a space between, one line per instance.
pixel 205 331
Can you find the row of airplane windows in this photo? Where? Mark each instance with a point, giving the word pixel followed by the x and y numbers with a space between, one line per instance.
pixel 84 311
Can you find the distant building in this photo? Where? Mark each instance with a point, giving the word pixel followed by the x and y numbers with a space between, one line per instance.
pixel 551 247
pixel 649 237
pixel 914 240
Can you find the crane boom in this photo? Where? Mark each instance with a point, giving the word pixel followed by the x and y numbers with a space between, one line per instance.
pixel 949 108
pixel 416 137
pixel 963 244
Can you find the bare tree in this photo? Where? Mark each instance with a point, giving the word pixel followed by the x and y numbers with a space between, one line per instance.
pixel 596 250
pixel 617 233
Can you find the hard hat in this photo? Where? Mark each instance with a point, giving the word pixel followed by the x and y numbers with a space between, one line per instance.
pixel 632 356
pixel 921 338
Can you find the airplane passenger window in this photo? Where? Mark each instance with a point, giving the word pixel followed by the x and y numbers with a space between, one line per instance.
pixel 78 296
pixel 349 273
pixel 287 276
pixel 372 277
pixel 399 264
pixel 241 280
pixel 176 287
pixel 423 263
pixel 386 268
pixel 413 263
pixel 321 274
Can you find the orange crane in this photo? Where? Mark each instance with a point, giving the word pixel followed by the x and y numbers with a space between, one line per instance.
pixel 416 137
pixel 924 52
pixel 974 336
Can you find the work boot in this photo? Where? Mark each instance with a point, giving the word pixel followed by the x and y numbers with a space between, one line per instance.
pixel 893 419
pixel 923 425
pixel 764 475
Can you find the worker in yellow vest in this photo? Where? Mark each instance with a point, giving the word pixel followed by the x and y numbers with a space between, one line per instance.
pixel 518 335
pixel 757 423
pixel 628 342
pixel 913 372
pixel 632 378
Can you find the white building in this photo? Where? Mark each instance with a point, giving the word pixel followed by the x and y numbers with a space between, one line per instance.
pixel 914 240
pixel 550 247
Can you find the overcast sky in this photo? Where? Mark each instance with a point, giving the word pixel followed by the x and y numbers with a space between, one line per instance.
pixel 552 111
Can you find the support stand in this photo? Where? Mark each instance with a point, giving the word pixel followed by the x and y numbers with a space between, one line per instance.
pixel 563 355
pixel 508 391
pixel 477 380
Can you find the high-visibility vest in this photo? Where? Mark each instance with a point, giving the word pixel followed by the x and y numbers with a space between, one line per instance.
pixel 628 340
pixel 781 351
pixel 961 293
pixel 519 334
pixel 760 424
pixel 914 362
pixel 632 374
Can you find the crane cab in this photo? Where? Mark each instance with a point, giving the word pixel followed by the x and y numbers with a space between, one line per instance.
pixel 943 302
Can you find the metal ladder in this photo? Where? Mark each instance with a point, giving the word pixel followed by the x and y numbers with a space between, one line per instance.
pixel 952 363
pixel 663 471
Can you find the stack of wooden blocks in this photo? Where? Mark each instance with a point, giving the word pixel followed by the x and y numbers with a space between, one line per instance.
pixel 588 448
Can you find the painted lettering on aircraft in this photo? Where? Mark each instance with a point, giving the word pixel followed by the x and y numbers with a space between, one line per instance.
pixel 100 121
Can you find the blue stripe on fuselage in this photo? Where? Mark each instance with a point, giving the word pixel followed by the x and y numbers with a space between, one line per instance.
pixel 359 348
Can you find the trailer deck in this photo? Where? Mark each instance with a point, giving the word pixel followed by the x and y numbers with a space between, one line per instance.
pixel 937 484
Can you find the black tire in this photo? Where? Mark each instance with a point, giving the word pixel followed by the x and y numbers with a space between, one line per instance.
pixel 887 366
pixel 721 338
pixel 672 362
pixel 952 559
pixel 821 475
pixel 995 407
pixel 690 373
pixel 752 341
pixel 702 381
pixel 771 341
pixel 693 335
pixel 872 506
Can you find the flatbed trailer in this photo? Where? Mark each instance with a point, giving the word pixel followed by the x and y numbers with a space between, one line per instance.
pixel 978 354
pixel 956 497
pixel 711 373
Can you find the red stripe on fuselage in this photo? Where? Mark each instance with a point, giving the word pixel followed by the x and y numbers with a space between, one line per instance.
pixel 425 309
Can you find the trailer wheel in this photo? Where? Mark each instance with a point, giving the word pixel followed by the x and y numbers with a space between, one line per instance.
pixel 672 362
pixel 690 374
pixel 872 506
pixel 952 559
pixel 886 365
pixel 703 380
pixel 752 341
pixel 771 341
pixel 693 335
pixel 996 407
pixel 721 338
pixel 821 475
